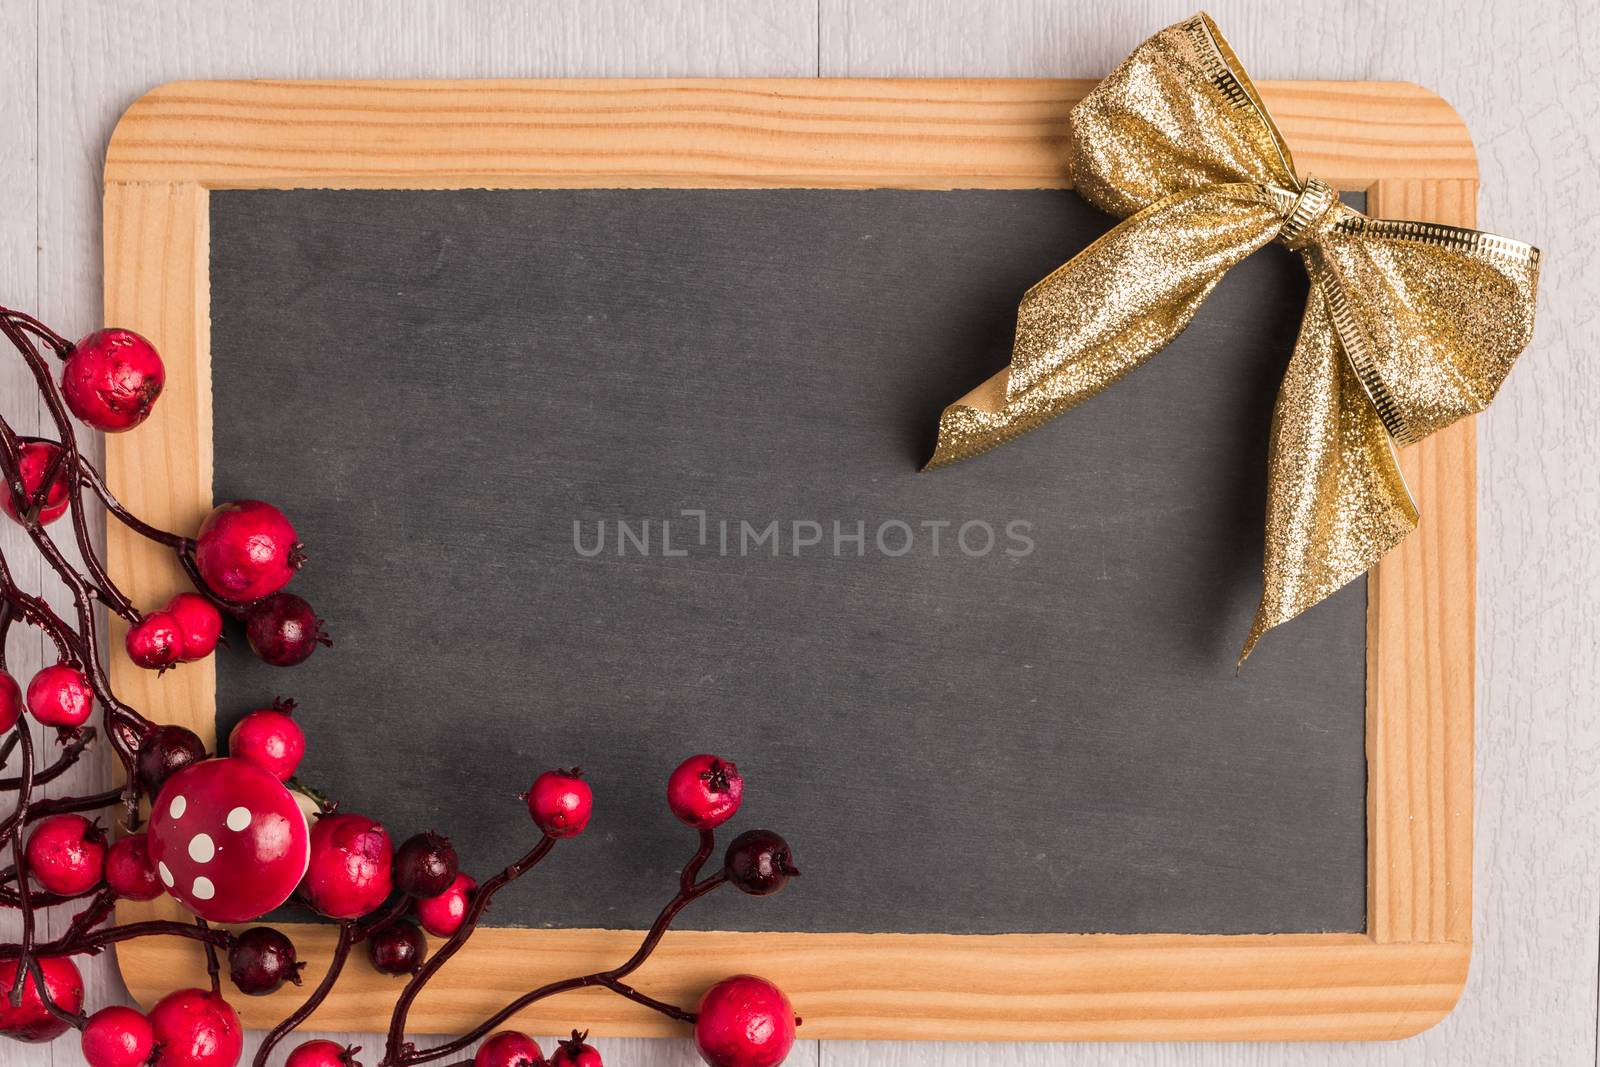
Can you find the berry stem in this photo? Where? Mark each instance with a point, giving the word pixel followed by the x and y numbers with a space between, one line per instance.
pixel 69 755
pixel 95 941
pixel 370 925
pixel 89 476
pixel 98 911
pixel 58 344
pixel 213 969
pixel 689 891
pixel 341 952
pixel 475 910
pixel 20 860
pixel 77 1020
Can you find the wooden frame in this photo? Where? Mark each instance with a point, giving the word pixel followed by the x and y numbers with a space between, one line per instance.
pixel 1401 144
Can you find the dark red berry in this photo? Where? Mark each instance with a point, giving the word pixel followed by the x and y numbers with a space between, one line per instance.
pixel 246 550
pixel 111 379
pixel 283 630
pixel 575 1051
pixel 66 854
pixel 323 1053
pixel 199 625
pixel 117 1037
pixel 744 1021
pixel 34 461
pixel 270 739
pixel 425 865
pixel 350 872
pixel 509 1048
pixel 154 642
pixel 60 696
pixel 704 791
pixel 443 915
pixel 130 872
pixel 10 701
pixel 261 960
pixel 560 802
pixel 31 1020
pixel 758 862
pixel 196 1028
pixel 165 752
pixel 397 948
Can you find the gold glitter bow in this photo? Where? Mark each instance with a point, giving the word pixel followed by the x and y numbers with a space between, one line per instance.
pixel 1408 326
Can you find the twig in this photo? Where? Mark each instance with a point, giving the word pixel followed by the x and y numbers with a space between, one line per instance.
pixel 397 1055
pixel 341 951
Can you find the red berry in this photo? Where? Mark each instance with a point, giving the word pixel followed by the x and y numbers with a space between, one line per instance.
pixel 758 862
pixel 261 960
pixel 425 865
pixel 704 791
pixel 560 802
pixel 155 642
pixel 195 1028
pixel 575 1052
pixel 60 696
pixel 111 379
pixel 744 1021
pixel 270 739
pixel 246 550
pixel 397 948
pixel 229 841
pixel 323 1053
pixel 130 871
pixel 199 625
pixel 350 873
pixel 10 701
pixel 117 1037
pixel 31 1020
pixel 443 915
pixel 163 753
pixel 283 630
pixel 66 854
pixel 34 459
pixel 509 1048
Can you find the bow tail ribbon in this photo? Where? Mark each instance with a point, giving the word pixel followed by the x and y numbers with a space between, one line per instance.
pixel 1408 326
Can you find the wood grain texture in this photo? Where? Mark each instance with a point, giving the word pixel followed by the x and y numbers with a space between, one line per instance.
pixel 699 134
pixel 1420 815
pixel 179 141
pixel 1521 75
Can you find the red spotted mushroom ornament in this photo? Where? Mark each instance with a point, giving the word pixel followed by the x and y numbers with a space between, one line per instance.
pixel 228 840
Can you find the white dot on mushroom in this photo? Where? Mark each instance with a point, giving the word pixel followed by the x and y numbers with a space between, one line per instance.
pixel 203 889
pixel 166 875
pixel 202 848
pixel 179 806
pixel 239 819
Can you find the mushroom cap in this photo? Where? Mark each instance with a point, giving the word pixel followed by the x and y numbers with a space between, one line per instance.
pixel 228 840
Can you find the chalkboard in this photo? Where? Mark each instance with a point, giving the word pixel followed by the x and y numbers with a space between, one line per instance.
pixel 569 465
pixel 1065 720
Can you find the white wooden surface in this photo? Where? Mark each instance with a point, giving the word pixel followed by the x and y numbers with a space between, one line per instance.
pixel 1521 72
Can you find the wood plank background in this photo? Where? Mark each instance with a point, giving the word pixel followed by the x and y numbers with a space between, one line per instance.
pixel 1521 75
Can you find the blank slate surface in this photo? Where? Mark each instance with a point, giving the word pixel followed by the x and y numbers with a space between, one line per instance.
pixel 612 477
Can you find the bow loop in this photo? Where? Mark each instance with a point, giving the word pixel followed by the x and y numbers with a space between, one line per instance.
pixel 1431 317
pixel 1408 326
pixel 1179 113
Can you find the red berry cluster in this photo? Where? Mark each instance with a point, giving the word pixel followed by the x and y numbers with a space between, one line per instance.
pixel 233 837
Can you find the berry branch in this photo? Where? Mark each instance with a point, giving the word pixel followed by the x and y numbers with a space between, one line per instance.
pixel 340 865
